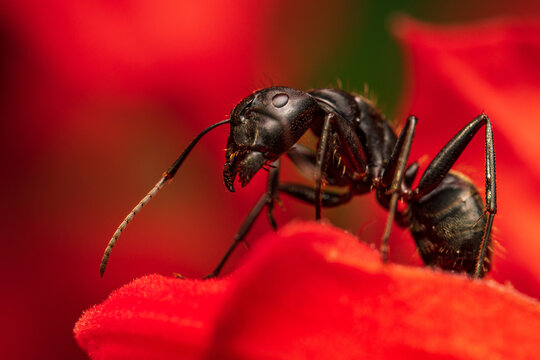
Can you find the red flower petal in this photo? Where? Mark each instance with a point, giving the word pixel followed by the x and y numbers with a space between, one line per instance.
pixel 459 72
pixel 153 317
pixel 312 291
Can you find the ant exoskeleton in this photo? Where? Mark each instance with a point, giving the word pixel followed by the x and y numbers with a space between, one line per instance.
pixel 359 151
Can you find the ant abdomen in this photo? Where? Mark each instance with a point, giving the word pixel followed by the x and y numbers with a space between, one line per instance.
pixel 448 225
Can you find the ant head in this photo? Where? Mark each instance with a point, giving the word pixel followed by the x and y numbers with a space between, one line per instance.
pixel 263 127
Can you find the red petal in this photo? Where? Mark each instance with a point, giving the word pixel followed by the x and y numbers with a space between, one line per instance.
pixel 153 317
pixel 455 74
pixel 314 292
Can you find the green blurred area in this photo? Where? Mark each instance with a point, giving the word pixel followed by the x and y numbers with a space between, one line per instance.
pixel 368 54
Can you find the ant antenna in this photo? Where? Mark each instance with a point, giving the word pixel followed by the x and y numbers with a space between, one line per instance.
pixel 169 174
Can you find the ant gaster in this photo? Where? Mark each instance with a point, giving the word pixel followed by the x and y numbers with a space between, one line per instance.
pixel 357 150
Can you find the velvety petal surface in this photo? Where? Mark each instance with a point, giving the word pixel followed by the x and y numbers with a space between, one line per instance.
pixel 153 317
pixel 312 291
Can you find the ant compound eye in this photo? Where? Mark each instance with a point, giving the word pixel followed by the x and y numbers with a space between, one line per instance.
pixel 280 100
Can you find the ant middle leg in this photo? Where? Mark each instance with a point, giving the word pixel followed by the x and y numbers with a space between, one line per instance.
pixel 307 194
pixel 394 175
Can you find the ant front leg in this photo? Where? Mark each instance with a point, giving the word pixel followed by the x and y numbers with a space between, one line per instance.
pixel 445 159
pixel 353 151
pixel 305 161
pixel 267 199
pixel 320 165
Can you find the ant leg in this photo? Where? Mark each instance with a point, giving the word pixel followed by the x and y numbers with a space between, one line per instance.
pixel 401 218
pixel 447 157
pixel 304 159
pixel 320 165
pixel 354 150
pixel 266 199
pixel 307 194
pixel 241 234
pixel 393 176
pixel 491 197
pixel 272 193
pixel 408 179
pixel 410 174
pixel 309 163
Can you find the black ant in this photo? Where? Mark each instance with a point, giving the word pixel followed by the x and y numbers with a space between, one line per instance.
pixel 359 151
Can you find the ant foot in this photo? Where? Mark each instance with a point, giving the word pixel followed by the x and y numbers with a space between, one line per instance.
pixel 210 276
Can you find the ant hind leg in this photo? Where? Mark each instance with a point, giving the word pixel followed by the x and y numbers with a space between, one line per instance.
pixel 446 158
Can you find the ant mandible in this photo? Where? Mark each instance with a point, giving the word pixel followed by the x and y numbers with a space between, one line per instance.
pixel 359 151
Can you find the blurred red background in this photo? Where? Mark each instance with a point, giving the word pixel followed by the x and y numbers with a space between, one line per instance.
pixel 99 98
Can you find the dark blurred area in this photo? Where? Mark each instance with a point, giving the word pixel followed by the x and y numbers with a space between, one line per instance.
pixel 99 98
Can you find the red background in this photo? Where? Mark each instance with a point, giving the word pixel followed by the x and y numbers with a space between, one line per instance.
pixel 99 98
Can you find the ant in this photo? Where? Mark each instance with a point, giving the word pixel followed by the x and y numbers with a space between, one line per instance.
pixel 357 150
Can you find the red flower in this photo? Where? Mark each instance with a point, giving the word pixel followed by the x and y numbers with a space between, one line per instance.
pixel 312 291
